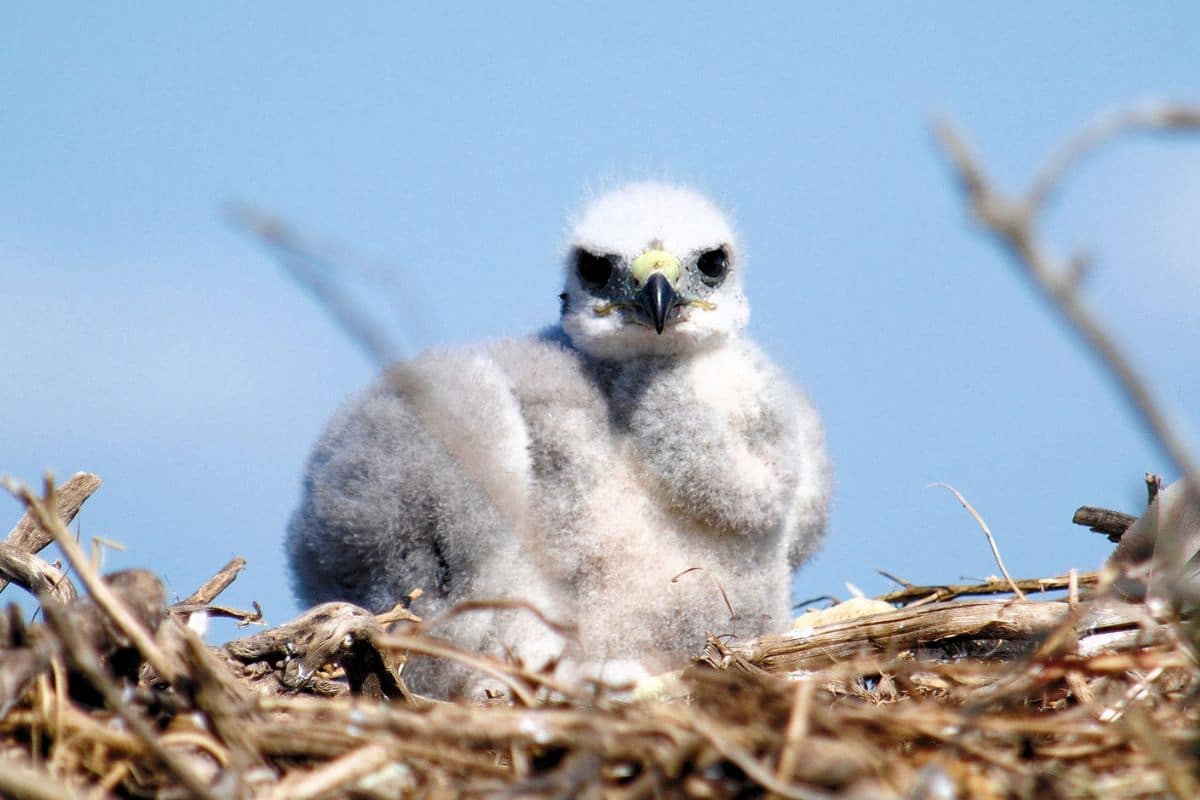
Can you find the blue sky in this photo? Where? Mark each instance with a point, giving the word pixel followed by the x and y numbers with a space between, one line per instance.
pixel 146 340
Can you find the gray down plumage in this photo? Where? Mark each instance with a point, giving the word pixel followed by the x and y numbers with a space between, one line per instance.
pixel 584 470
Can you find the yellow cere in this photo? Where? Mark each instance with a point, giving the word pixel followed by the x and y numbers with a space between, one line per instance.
pixel 653 261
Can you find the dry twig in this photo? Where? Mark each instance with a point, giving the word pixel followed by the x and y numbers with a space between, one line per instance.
pixel 33 574
pixel 930 593
pixel 217 583
pixel 104 597
pixel 988 533
pixel 1012 221
pixel 1112 524
pixel 314 273
pixel 30 537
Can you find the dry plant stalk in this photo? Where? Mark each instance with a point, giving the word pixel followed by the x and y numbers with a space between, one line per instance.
pixel 988 533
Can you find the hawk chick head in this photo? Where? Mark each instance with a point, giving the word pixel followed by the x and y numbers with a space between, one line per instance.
pixel 652 269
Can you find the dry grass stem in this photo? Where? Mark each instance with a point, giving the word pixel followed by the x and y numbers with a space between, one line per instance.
pixel 988 533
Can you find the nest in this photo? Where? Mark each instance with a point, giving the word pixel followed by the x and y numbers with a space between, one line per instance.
pixel 114 693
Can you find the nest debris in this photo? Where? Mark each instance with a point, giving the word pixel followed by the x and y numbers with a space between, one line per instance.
pixel 114 693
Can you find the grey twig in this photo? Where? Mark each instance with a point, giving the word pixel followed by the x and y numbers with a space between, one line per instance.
pixel 315 274
pixel 1150 117
pixel 1112 524
pixel 986 532
pixel 1012 221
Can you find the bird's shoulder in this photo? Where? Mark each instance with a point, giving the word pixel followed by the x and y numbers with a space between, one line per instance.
pixel 450 390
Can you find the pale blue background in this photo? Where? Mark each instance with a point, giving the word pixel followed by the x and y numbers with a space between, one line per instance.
pixel 144 339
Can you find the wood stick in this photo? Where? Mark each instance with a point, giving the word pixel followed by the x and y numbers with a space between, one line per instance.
pixel 751 765
pixel 910 593
pixel 27 535
pixel 19 780
pixel 217 583
pixel 943 624
pixel 34 575
pixel 1177 770
pixel 336 776
pixel 329 633
pixel 793 740
pixel 100 591
pixel 1112 524
pixel 242 616
pixel 986 532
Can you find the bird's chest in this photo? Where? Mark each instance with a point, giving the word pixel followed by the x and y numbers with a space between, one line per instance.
pixel 598 499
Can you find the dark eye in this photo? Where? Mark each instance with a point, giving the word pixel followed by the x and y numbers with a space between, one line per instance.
pixel 592 269
pixel 713 263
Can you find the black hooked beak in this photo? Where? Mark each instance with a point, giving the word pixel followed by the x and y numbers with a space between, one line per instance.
pixel 657 298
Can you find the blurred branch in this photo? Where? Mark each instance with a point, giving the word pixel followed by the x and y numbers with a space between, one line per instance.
pixel 1012 222
pixel 1148 118
pixel 33 783
pixel 315 274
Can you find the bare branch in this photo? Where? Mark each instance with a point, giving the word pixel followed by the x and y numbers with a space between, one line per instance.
pixel 1012 222
pixel 19 780
pixel 512 677
pixel 244 617
pixel 27 535
pixel 1178 771
pixel 1152 117
pixel 988 533
pixel 1153 486
pixel 97 588
pixel 33 574
pixel 336 776
pixel 217 583
pixel 986 629
pixel 1112 524
pixel 314 273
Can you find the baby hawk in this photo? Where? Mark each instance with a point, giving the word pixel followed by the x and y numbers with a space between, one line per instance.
pixel 639 470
